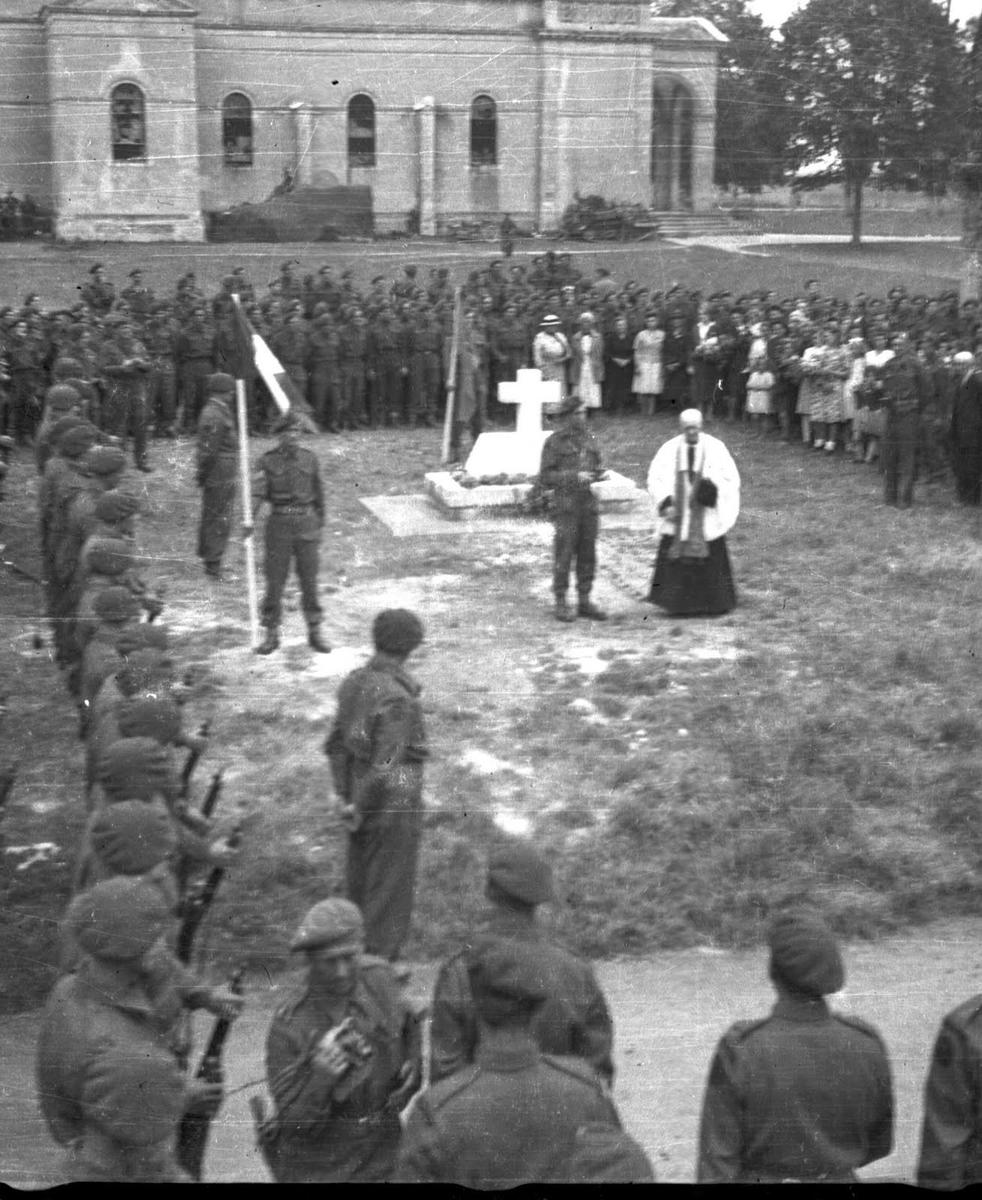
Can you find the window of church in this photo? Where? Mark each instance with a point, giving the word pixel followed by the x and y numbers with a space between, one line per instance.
pixel 484 132
pixel 237 130
pixel 361 131
pixel 128 123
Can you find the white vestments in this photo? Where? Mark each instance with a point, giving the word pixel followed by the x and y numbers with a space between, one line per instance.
pixel 712 461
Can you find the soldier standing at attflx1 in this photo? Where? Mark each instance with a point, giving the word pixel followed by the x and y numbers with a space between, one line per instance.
pixel 905 390
pixel 290 482
pixel 570 464
pixel 216 459
pixel 376 748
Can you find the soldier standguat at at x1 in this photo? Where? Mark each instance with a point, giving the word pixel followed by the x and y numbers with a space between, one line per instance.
pixel 289 481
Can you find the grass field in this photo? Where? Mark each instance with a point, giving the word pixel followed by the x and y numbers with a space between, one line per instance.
pixel 684 777
pixel 57 271
pixel 876 222
pixel 887 264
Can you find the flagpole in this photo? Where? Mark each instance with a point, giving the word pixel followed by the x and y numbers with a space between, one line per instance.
pixel 243 355
pixel 248 541
pixel 451 404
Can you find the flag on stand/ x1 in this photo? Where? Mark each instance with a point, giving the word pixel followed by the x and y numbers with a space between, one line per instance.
pixel 254 355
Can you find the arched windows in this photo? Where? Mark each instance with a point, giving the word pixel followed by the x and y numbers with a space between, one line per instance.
pixel 127 117
pixel 361 131
pixel 484 132
pixel 237 130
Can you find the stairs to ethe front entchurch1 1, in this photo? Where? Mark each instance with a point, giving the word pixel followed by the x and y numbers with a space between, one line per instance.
pixel 689 225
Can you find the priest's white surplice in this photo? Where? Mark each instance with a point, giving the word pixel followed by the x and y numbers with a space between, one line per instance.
pixel 712 461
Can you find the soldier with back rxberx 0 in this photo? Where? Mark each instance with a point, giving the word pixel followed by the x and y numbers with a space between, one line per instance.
pixel 573 1019
pixel 951 1132
pixel 803 1095
pixel 290 482
pixel 512 1116
pixel 377 748
pixel 109 1086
